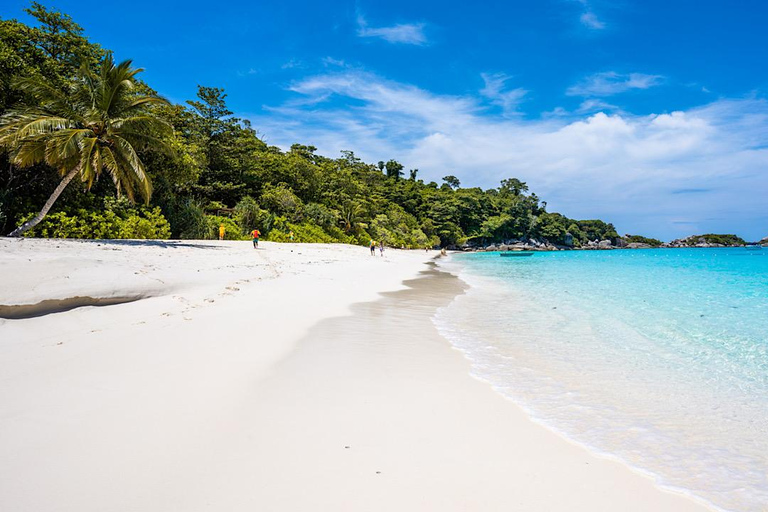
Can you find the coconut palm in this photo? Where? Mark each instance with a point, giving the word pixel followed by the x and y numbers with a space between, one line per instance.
pixel 98 123
pixel 350 216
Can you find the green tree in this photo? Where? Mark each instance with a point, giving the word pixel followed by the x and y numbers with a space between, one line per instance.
pixel 98 123
pixel 394 169
pixel 452 181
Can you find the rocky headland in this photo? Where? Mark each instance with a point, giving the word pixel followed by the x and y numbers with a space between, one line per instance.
pixel 625 242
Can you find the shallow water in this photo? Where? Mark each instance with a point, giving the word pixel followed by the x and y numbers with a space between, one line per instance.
pixel 657 357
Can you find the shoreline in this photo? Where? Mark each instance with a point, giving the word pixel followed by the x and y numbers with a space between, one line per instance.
pixel 139 410
pixel 410 429
pixel 657 479
pixel 633 356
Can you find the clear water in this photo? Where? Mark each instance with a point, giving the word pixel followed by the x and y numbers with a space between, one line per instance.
pixel 657 357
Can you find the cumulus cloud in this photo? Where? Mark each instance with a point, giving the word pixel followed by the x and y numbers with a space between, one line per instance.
pixel 626 168
pixel 402 33
pixel 609 83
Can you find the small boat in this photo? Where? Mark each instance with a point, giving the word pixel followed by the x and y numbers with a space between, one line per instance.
pixel 753 247
pixel 507 254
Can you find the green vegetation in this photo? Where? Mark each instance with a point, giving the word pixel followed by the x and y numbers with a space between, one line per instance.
pixel 116 219
pixel 70 111
pixel 720 239
pixel 637 239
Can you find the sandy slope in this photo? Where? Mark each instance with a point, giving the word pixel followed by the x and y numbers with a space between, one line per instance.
pixel 219 388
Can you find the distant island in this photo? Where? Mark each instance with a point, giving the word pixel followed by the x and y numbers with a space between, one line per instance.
pixel 626 242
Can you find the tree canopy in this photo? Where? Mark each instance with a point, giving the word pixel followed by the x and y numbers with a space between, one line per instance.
pixel 219 170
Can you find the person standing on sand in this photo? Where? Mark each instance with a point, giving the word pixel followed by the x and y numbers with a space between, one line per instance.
pixel 256 234
pixel 290 235
pixel 221 232
pixel 373 247
pixel 381 248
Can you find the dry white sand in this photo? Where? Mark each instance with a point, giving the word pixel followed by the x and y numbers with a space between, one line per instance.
pixel 238 380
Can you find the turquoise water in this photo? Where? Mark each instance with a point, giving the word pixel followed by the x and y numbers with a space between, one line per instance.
pixel 656 357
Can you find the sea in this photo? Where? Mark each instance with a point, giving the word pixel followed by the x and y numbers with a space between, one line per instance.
pixel 655 357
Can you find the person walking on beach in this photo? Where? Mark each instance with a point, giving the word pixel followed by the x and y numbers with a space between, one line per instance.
pixel 373 247
pixel 221 232
pixel 256 234
pixel 381 248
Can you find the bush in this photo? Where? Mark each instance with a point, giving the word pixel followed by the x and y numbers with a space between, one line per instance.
pixel 320 215
pixel 118 220
pixel 232 231
pixel 249 216
pixel 282 201
pixel 151 225
pixel 191 221
pixel 305 232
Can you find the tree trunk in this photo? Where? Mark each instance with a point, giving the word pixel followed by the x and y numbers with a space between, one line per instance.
pixel 34 221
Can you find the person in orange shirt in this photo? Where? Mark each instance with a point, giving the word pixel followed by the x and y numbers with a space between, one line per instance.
pixel 256 234
pixel 221 232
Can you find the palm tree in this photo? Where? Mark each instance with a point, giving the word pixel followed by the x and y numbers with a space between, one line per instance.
pixel 350 215
pixel 99 122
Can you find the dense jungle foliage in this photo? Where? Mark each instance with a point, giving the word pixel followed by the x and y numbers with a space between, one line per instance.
pixel 219 171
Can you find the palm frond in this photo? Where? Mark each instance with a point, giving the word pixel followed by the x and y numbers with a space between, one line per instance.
pixel 31 152
pixel 133 164
pixel 18 126
pixel 98 122
pixel 67 143
pixel 88 170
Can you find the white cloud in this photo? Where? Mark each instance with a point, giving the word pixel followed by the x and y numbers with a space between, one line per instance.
pixel 653 174
pixel 494 90
pixel 331 62
pixel 592 106
pixel 403 33
pixel 590 20
pixel 609 82
pixel 292 64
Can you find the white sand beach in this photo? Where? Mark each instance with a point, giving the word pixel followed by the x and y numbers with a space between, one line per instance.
pixel 212 376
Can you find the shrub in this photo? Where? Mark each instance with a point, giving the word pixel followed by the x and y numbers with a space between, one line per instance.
pixel 320 215
pixel 151 225
pixel 191 221
pixel 282 200
pixel 232 231
pixel 118 219
pixel 249 216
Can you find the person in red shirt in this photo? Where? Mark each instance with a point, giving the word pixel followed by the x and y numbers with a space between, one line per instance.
pixel 256 234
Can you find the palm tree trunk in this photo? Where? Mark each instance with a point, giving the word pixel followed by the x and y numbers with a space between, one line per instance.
pixel 34 221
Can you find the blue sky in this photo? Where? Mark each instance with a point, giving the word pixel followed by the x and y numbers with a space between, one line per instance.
pixel 649 114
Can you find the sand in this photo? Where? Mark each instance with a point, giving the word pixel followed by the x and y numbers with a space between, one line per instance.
pixel 218 377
